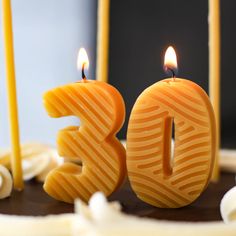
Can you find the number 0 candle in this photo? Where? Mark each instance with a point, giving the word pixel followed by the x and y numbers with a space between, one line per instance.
pixel 101 110
pixel 155 176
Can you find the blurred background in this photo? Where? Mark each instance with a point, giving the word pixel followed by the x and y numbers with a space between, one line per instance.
pixel 142 30
pixel 48 35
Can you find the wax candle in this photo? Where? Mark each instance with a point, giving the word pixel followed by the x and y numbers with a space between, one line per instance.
pixel 155 177
pixel 12 98
pixel 101 110
pixel 103 40
pixel 214 72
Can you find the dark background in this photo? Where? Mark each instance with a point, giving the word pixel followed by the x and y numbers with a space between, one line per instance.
pixel 142 30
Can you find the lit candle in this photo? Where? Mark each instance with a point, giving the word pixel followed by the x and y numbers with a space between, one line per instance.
pixel 12 98
pixel 155 177
pixel 103 40
pixel 101 110
pixel 214 72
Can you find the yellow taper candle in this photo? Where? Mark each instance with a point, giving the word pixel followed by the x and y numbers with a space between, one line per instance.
pixel 214 72
pixel 12 99
pixel 103 40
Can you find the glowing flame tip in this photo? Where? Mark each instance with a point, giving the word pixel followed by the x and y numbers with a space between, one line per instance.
pixel 82 60
pixel 170 60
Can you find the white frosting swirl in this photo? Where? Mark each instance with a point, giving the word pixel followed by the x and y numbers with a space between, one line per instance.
pixel 228 206
pixel 37 160
pixel 5 182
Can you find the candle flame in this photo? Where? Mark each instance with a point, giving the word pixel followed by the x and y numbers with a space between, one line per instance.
pixel 82 61
pixel 170 61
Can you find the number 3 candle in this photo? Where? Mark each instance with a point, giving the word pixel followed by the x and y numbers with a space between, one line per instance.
pixel 155 176
pixel 101 110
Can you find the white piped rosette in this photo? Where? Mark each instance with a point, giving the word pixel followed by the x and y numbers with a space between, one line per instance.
pixel 228 206
pixel 37 160
pixel 5 182
pixel 39 165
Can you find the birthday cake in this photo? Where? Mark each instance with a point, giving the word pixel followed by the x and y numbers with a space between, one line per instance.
pixel 165 182
pixel 47 216
pixel 92 184
pixel 39 207
pixel 91 164
pixel 33 210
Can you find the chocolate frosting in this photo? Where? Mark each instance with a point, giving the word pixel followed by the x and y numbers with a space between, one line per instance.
pixel 34 201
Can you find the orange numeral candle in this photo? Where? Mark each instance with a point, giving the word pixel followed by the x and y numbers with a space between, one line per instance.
pixel 155 176
pixel 101 110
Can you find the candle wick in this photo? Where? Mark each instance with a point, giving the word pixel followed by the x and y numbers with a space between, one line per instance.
pixel 173 74
pixel 172 71
pixel 83 74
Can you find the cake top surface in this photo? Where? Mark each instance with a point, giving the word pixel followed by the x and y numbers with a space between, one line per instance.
pixel 34 201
